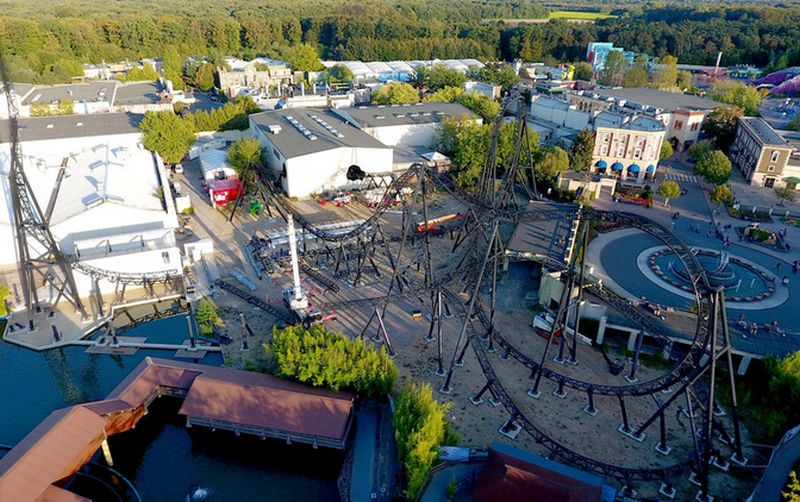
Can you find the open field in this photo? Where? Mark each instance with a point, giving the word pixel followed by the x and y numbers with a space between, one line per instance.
pixel 569 16
pixel 566 14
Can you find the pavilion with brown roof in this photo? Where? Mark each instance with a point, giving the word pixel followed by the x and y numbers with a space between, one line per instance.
pixel 223 398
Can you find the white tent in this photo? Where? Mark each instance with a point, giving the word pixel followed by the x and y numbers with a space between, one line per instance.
pixel 213 162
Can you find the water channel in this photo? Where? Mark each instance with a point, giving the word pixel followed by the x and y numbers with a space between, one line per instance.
pixel 160 456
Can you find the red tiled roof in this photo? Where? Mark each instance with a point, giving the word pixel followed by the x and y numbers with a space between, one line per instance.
pixel 55 449
pixel 268 402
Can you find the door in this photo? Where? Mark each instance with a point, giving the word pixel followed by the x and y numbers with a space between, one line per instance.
pixel 769 182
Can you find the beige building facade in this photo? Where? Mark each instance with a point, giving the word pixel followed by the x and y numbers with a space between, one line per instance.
pixel 630 152
pixel 761 154
pixel 258 74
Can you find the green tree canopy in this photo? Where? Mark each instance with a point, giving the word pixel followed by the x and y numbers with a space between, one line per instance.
pixel 721 194
pixel 167 134
pixel 206 316
pixel 483 105
pixel 204 77
pixel 580 151
pixel 715 167
pixel 396 93
pixel 438 77
pixel 583 71
pixel 420 429
pixel 666 150
pixel 700 149
pixel 554 161
pixel 614 68
pixel 738 94
pixel 303 57
pixel 243 152
pixel 4 291
pixel 501 74
pixel 636 75
pixel 466 142
pixel 720 125
pixel 669 189
pixel 684 80
pixel 321 358
pixel 140 74
pixel 340 73
pixel 666 74
pixel 172 66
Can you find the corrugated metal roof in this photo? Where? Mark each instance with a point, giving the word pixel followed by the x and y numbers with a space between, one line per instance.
pixel 101 90
pixel 419 113
pixel 66 126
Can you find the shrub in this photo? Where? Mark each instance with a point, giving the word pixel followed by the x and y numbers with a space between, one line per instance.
pixel 420 428
pixel 206 316
pixel 321 358
pixel 721 194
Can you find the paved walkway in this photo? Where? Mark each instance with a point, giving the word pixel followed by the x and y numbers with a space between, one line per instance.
pixel 782 461
pixel 362 485
pixel 464 474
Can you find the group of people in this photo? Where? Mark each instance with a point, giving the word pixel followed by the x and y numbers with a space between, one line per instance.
pixel 795 270
pixel 753 328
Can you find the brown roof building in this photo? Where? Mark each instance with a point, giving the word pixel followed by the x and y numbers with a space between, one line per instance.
pixel 222 398
pixel 761 154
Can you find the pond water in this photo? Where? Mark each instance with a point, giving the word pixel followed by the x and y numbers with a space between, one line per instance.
pixel 737 279
pixel 160 456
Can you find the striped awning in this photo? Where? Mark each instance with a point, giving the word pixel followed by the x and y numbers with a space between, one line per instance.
pixel 633 168
pixel 616 166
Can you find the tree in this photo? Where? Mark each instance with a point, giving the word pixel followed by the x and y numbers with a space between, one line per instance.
pixel 715 167
pixel 794 125
pixel 4 292
pixel 700 149
pixel 483 105
pixel 636 76
pixel 204 78
pixel 172 66
pixel 554 161
pixel 793 488
pixel 669 190
pixel 497 73
pixel 39 109
pixel 466 142
pixel 784 193
pixel 65 107
pixel 396 93
pixel 666 150
pixel 580 152
pixel 583 71
pixel 737 94
pixel 320 358
pixel 721 194
pixel 666 74
pixel 206 316
pixel 720 125
pixel 141 74
pixel 684 80
pixel 438 77
pixel 614 69
pixel 303 57
pixel 167 134
pixel 244 152
pixel 420 428
pixel 340 73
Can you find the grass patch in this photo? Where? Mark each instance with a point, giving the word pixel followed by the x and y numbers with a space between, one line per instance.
pixel 566 14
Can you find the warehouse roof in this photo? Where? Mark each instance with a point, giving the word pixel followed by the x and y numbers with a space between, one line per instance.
pixel 392 115
pixel 73 126
pixel 137 93
pixel 101 90
pixel 302 131
pixel 669 101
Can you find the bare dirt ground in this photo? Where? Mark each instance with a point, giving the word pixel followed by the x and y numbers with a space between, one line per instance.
pixel 561 419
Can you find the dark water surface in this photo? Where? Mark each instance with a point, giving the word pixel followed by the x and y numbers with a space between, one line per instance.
pixel 160 456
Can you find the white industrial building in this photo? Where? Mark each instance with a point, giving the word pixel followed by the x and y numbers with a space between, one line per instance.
pixel 404 125
pixel 109 213
pixel 399 70
pixel 214 164
pixel 311 150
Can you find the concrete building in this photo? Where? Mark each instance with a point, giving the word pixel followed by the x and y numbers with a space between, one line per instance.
pixel 311 150
pixel 21 91
pixel 556 120
pixel 630 151
pixel 681 114
pixel 404 125
pixel 92 97
pixel 486 88
pixel 762 155
pixel 141 97
pixel 402 71
pixel 109 213
pixel 259 74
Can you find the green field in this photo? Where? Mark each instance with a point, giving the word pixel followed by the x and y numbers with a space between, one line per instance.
pixel 566 14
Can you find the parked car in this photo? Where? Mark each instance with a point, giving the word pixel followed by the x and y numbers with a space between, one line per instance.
pixel 178 168
pixel 176 187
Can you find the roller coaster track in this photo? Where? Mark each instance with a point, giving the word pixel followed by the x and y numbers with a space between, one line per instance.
pixel 555 448
pixel 127 278
pixel 255 301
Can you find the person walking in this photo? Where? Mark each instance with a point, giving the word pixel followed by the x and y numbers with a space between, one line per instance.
pixel 785 281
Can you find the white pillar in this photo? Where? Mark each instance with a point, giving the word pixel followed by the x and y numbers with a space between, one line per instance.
pixel 601 329
pixel 632 341
pixel 743 365
pixel 107 452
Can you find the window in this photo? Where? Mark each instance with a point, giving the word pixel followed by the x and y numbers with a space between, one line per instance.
pixel 678 125
pixel 276 154
pixel 771 168
pixel 694 126
pixel 775 154
pixel 603 149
